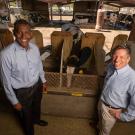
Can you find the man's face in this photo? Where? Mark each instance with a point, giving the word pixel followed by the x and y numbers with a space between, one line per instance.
pixel 120 58
pixel 23 35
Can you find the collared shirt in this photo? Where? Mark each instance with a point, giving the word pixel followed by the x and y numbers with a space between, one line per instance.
pixel 20 68
pixel 119 91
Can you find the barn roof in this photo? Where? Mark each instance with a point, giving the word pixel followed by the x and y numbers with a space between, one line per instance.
pixel 120 3
pixel 116 3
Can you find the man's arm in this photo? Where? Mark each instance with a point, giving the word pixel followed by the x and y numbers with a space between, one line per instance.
pixel 6 79
pixel 129 113
pixel 42 74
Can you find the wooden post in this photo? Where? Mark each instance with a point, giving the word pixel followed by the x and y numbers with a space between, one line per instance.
pixel 100 16
pixel 61 65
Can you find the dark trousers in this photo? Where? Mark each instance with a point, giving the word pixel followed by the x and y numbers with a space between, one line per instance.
pixel 30 98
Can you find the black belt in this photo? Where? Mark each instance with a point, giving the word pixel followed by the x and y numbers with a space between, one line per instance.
pixel 31 87
pixel 109 105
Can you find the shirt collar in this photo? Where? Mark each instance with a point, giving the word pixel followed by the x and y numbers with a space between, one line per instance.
pixel 122 70
pixel 18 47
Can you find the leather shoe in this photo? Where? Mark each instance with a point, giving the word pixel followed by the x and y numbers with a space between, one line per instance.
pixel 41 123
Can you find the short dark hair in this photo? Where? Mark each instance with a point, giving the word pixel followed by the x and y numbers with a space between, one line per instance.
pixel 123 46
pixel 17 23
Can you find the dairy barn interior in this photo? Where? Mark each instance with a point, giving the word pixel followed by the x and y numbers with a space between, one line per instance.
pixel 70 104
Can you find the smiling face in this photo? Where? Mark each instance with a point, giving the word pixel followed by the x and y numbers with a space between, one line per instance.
pixel 120 58
pixel 23 35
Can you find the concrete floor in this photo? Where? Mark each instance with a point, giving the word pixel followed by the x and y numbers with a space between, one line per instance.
pixel 57 125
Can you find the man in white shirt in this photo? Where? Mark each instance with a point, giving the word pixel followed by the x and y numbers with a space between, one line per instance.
pixel 117 100
pixel 23 77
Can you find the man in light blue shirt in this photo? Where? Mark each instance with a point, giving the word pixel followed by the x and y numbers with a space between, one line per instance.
pixel 118 95
pixel 23 77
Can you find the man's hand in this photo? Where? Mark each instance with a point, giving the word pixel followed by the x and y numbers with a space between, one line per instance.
pixel 18 107
pixel 115 112
pixel 45 87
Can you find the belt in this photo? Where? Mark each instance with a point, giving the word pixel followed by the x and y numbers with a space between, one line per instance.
pixel 109 105
pixel 31 87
